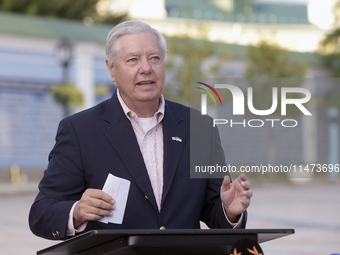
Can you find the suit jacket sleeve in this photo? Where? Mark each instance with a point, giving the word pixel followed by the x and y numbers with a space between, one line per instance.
pixel 61 186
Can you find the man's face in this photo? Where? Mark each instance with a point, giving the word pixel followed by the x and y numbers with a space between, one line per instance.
pixel 138 69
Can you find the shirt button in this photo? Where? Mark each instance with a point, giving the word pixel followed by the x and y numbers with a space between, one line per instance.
pixel 162 228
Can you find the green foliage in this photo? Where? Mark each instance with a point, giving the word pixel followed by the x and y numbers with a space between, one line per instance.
pixel 332 63
pixel 272 61
pixel 266 62
pixel 187 60
pixel 67 95
pixel 102 90
pixel 75 9
pixel 330 48
pixel 331 43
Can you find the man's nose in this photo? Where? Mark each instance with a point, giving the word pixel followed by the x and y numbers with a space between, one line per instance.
pixel 145 67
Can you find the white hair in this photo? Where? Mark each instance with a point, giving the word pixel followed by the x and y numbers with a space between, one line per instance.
pixel 129 27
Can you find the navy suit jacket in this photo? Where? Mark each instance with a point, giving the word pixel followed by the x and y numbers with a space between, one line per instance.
pixel 100 140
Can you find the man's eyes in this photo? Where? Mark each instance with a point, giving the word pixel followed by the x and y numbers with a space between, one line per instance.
pixel 132 60
pixel 155 58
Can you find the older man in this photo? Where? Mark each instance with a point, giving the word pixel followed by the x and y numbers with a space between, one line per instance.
pixel 131 137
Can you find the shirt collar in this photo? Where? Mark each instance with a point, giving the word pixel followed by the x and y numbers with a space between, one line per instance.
pixel 159 114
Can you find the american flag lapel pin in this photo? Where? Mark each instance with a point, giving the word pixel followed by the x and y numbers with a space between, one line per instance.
pixel 177 139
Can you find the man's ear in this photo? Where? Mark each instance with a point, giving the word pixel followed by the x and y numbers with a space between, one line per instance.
pixel 111 70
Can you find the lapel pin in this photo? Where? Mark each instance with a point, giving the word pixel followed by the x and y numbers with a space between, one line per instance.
pixel 177 139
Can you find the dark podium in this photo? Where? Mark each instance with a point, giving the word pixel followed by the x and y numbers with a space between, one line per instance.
pixel 132 242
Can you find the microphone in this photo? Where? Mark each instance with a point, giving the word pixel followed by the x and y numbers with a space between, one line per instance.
pixel 246 246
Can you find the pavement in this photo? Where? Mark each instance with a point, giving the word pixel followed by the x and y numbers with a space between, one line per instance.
pixel 15 235
pixel 311 208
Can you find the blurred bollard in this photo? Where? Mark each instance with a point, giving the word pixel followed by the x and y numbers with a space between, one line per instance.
pixel 15 174
pixel 333 114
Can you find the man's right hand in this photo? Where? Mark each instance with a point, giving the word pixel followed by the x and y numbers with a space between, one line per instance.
pixel 93 205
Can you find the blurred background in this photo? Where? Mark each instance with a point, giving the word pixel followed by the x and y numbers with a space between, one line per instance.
pixel 52 64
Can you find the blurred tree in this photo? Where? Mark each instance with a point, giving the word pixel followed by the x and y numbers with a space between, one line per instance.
pixel 330 45
pixel 75 9
pixel 102 90
pixel 191 58
pixel 268 61
pixel 330 50
pixel 272 61
pixel 67 95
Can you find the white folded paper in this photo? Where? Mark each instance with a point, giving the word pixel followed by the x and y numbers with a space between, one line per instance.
pixel 118 189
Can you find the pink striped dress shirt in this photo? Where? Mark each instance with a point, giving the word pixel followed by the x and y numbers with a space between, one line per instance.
pixel 150 142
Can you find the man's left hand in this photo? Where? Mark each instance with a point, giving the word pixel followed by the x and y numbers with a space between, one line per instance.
pixel 235 196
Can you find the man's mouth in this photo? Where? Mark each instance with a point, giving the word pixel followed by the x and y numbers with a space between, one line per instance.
pixel 145 83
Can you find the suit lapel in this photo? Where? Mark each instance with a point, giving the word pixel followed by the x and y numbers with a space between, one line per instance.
pixel 172 148
pixel 123 139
